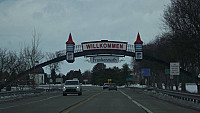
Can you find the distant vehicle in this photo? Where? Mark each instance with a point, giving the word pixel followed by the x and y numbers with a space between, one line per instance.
pixel 112 86
pixel 72 87
pixel 105 85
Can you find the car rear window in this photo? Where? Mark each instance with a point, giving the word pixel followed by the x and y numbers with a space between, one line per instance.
pixel 112 84
pixel 106 83
pixel 71 83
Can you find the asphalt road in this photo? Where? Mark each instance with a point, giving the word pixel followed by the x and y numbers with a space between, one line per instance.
pixel 93 100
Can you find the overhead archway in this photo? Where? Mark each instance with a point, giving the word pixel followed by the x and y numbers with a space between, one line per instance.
pixel 78 53
pixel 86 49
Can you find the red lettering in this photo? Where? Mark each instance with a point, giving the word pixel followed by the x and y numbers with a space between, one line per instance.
pixel 117 46
pixel 101 45
pixel 88 46
pixel 105 45
pixel 109 45
pixel 113 45
pixel 121 46
pixel 97 46
pixel 93 46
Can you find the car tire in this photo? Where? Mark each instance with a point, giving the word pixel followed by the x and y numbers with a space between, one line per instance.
pixel 64 94
pixel 79 94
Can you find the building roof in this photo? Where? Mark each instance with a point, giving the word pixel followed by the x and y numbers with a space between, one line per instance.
pixel 138 41
pixel 70 41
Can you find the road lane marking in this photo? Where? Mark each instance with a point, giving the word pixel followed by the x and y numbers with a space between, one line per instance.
pixel 69 109
pixel 30 102
pixel 135 102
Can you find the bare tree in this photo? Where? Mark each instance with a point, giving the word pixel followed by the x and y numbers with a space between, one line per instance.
pixel 182 19
pixel 11 62
pixel 8 61
pixel 3 55
pixel 3 63
pixel 21 63
pixel 53 66
pixel 8 65
pixel 33 53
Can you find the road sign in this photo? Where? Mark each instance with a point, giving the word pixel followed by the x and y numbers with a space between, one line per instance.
pixel 138 56
pixel 167 71
pixel 130 79
pixel 85 80
pixel 174 68
pixel 60 80
pixel 145 72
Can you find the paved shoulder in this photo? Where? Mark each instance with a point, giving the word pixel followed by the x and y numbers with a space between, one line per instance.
pixel 156 105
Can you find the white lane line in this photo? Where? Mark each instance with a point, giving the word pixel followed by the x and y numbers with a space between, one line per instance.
pixel 30 102
pixel 135 102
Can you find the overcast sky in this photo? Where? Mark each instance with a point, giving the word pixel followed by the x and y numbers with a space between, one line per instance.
pixel 87 20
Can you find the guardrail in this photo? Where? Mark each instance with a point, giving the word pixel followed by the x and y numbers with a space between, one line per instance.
pixel 10 93
pixel 40 89
pixel 180 95
pixel 195 98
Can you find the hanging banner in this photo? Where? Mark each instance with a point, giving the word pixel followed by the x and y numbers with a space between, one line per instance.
pixel 104 59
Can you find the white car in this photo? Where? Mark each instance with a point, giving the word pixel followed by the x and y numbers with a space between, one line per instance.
pixel 72 87
pixel 106 85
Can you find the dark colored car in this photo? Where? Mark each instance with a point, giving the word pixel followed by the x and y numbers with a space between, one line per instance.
pixel 112 86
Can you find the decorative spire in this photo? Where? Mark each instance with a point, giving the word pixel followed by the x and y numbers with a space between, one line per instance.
pixel 70 41
pixel 138 41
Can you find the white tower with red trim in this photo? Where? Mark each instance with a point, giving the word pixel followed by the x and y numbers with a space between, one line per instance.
pixel 70 50
pixel 138 48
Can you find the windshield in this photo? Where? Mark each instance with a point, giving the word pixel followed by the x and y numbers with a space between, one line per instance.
pixel 99 56
pixel 71 83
